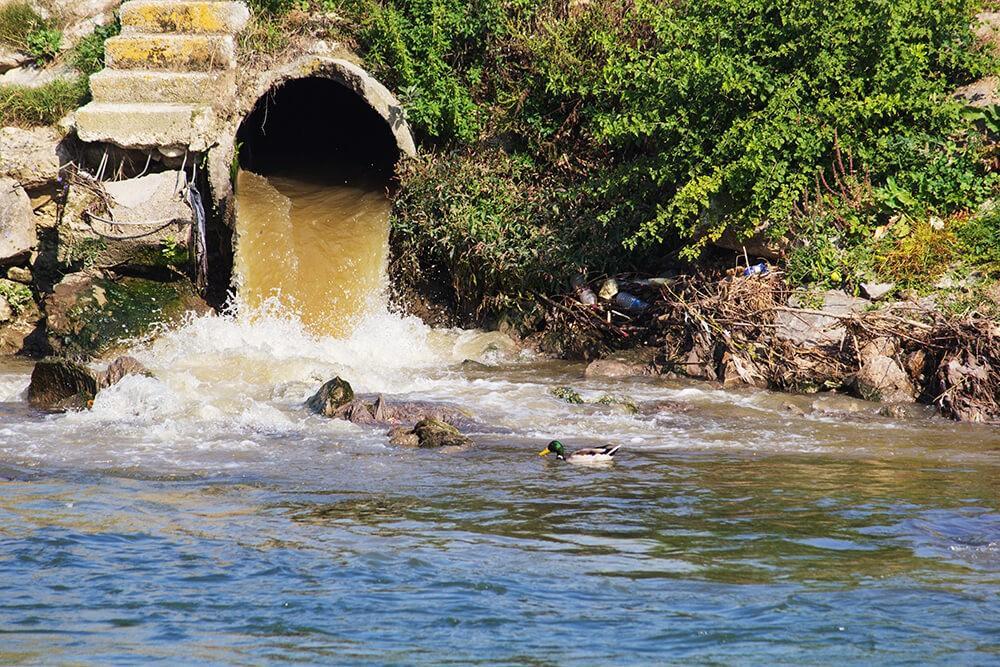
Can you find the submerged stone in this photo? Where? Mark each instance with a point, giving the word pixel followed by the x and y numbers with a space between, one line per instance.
pixel 567 394
pixel 614 368
pixel 119 368
pixel 434 433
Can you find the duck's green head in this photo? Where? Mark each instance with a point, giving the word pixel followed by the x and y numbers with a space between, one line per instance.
pixel 555 447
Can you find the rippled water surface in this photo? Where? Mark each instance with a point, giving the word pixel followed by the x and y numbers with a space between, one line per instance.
pixel 204 516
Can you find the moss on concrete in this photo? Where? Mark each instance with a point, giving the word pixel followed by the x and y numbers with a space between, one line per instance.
pixel 100 314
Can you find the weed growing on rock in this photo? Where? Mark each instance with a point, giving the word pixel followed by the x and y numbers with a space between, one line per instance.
pixel 43 45
pixel 88 56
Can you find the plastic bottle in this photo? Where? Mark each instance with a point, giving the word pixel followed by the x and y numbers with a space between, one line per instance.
pixel 584 294
pixel 758 269
pixel 629 302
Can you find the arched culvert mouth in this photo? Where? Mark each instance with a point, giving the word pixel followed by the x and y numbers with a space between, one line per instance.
pixel 317 124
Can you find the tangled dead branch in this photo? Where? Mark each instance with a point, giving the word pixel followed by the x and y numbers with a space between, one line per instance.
pixel 741 330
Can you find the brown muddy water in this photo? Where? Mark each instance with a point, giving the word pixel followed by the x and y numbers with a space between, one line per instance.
pixel 204 516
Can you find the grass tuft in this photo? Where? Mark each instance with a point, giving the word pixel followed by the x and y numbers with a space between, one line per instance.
pixel 17 23
pixel 24 106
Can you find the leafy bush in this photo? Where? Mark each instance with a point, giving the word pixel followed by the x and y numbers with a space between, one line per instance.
pixel 44 105
pixel 271 7
pixel 43 45
pixel 88 56
pixel 17 295
pixel 633 129
pixel 504 229
pixel 979 240
pixel 433 53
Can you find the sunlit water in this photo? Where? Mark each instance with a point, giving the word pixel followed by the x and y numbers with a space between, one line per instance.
pixel 317 248
pixel 204 516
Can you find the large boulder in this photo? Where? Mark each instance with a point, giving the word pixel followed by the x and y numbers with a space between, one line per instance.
pixel 32 157
pixel 90 313
pixel 880 377
pixel 17 223
pixel 58 385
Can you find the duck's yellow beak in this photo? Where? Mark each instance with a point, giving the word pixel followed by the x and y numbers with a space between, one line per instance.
pixel 544 452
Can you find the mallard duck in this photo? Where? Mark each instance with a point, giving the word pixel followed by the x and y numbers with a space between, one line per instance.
pixel 581 456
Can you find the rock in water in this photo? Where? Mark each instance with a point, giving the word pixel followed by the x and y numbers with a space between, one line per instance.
pixel 612 368
pixel 331 396
pixel 58 385
pixel 118 369
pixel 404 437
pixel 436 433
pixel 880 377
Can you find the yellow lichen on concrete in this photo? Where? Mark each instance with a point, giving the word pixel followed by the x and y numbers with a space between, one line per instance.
pixel 174 52
pixel 184 17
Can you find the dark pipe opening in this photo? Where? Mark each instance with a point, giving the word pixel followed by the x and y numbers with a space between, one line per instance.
pixel 317 127
pixel 312 129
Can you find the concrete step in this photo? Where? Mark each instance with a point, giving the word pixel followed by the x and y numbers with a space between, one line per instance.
pixel 147 125
pixel 191 53
pixel 140 86
pixel 183 16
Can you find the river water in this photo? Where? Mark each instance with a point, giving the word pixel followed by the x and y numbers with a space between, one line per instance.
pixel 204 516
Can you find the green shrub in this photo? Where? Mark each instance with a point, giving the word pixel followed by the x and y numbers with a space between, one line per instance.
pixel 271 7
pixel 43 45
pixel 265 35
pixel 504 229
pixel 651 127
pixel 45 105
pixel 979 240
pixel 88 56
pixel 17 295
pixel 433 53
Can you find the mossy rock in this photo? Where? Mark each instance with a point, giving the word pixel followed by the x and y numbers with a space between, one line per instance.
pixel 567 394
pixel 434 433
pixel 91 314
pixel 331 396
